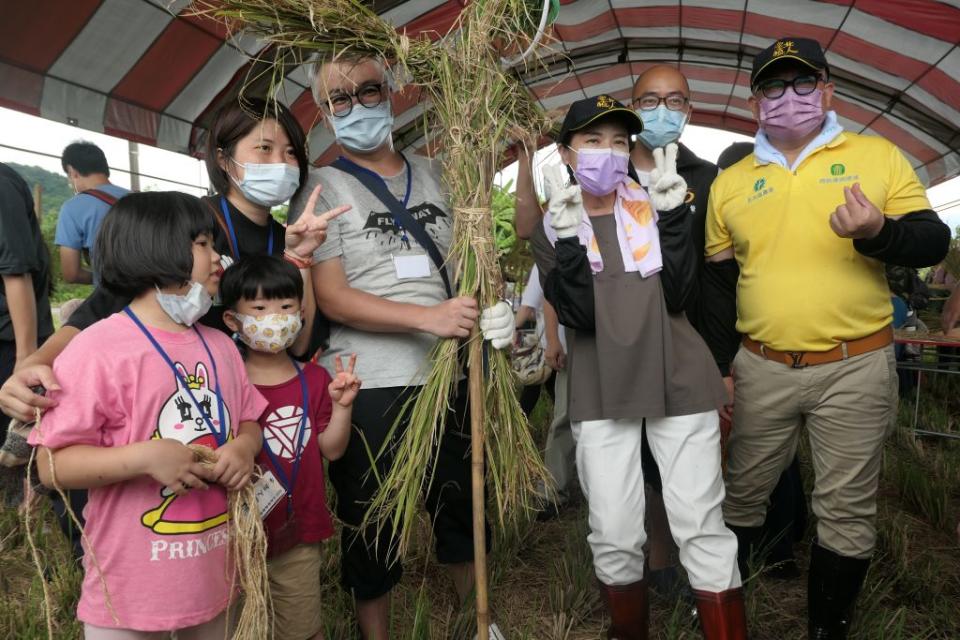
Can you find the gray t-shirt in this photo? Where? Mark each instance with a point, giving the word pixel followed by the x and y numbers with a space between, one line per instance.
pixel 366 239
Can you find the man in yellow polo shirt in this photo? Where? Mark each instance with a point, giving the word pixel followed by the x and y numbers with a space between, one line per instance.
pixel 810 219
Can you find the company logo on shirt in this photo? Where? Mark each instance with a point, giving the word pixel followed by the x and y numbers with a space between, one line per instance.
pixel 760 190
pixel 838 174
pixel 381 225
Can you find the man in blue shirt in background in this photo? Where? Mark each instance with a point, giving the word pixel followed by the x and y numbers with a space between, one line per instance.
pixel 80 216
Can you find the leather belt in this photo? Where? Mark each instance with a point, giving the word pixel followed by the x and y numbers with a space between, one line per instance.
pixel 844 350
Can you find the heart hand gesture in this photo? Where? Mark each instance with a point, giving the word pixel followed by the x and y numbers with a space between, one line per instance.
pixel 857 218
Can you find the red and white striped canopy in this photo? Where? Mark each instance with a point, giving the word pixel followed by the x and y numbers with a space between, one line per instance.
pixel 146 71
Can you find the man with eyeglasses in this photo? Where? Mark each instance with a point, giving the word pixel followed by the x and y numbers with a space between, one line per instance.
pixel 661 97
pixel 382 280
pixel 810 218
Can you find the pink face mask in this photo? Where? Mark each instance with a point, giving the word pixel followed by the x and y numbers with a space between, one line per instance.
pixel 600 171
pixel 791 117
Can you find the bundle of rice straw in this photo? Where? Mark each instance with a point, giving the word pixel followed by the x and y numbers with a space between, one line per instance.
pixel 246 552
pixel 246 557
pixel 473 103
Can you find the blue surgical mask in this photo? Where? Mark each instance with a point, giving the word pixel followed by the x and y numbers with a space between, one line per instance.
pixel 364 129
pixel 661 126
pixel 268 185
pixel 186 309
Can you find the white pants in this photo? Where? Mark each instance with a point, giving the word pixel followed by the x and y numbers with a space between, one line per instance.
pixel 687 450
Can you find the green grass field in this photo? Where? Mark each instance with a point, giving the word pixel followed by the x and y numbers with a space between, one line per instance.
pixel 542 580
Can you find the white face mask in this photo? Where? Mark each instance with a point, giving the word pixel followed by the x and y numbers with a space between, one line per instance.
pixel 186 309
pixel 364 129
pixel 267 184
pixel 271 333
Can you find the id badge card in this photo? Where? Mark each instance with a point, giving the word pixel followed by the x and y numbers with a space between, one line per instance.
pixel 269 492
pixel 408 267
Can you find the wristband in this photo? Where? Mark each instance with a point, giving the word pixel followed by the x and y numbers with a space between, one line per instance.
pixel 297 261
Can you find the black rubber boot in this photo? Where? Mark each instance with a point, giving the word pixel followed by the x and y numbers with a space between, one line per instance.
pixel 832 590
pixel 747 543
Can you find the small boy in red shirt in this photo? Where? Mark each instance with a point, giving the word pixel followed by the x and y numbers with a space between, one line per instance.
pixel 308 419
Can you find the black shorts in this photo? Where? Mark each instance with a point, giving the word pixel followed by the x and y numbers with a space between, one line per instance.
pixel 367 567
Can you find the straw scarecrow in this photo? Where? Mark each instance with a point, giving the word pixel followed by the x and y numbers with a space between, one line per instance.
pixel 473 103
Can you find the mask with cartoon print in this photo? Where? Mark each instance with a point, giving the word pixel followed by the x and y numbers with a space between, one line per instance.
pixel 270 333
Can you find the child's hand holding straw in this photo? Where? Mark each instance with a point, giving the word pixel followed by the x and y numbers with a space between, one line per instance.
pixel 174 465
pixel 234 460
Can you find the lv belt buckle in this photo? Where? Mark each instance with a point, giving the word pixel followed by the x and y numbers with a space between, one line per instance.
pixel 797 356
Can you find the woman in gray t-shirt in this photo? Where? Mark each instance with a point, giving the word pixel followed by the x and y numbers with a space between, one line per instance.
pixel 632 359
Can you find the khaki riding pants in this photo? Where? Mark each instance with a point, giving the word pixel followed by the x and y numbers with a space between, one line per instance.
pixel 848 407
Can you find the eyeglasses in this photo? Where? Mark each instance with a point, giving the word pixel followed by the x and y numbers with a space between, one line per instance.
pixel 776 87
pixel 369 95
pixel 649 101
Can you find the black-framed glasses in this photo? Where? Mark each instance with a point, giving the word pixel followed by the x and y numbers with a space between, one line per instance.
pixel 675 101
pixel 802 86
pixel 368 95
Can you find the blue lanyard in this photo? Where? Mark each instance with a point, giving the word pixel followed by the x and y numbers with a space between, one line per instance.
pixel 220 435
pixel 233 235
pixel 289 484
pixel 406 195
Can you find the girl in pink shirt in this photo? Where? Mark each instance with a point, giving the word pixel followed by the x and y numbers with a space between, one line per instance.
pixel 139 386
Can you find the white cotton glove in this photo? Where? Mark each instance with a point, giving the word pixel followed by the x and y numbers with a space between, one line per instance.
pixel 497 325
pixel 563 202
pixel 667 189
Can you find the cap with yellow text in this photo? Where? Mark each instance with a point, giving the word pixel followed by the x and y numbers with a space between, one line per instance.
pixel 589 110
pixel 806 51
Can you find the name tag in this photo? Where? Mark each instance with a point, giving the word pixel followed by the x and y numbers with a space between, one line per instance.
pixel 269 492
pixel 408 267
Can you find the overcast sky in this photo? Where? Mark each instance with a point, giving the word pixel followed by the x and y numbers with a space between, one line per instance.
pixel 181 172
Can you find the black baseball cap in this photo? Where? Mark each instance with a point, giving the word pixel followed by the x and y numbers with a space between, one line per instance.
pixel 803 50
pixel 588 110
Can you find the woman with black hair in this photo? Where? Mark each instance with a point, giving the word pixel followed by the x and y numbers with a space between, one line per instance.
pixel 256 158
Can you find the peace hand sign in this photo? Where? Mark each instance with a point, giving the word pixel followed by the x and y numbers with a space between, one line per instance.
pixel 310 229
pixel 345 385
pixel 667 189
pixel 857 218
pixel 563 202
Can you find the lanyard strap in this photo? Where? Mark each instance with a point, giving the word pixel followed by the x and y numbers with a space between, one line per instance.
pixel 220 435
pixel 357 168
pixel 289 484
pixel 225 208
pixel 401 216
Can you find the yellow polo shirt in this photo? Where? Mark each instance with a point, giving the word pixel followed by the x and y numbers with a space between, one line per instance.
pixel 802 287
